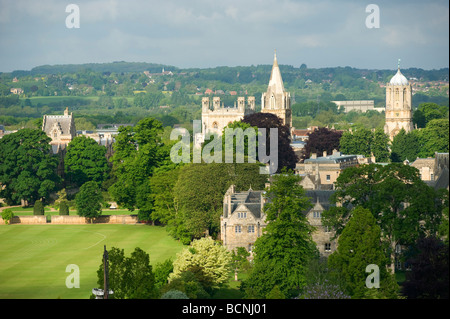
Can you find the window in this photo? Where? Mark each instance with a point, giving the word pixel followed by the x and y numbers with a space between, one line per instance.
pixel 242 215
pixel 251 229
pixel 237 229
pixel 317 214
pixel 328 178
pixel 215 125
pixel 327 246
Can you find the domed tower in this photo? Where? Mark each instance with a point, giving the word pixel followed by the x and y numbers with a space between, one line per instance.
pixel 398 105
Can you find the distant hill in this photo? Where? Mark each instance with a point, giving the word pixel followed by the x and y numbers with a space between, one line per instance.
pixel 117 67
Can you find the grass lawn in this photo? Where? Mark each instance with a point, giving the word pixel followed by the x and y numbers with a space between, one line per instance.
pixel 33 258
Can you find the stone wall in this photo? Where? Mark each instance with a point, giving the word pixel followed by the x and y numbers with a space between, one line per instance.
pixel 72 220
pixel 26 220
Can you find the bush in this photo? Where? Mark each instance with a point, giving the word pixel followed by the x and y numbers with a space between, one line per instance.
pixel 38 208
pixel 7 215
pixel 63 208
pixel 174 294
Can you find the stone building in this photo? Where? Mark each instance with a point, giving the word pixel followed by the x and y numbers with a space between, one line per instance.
pixel 60 128
pixel 322 235
pixel 398 105
pixel 322 172
pixel 215 115
pixel 276 100
pixel 243 219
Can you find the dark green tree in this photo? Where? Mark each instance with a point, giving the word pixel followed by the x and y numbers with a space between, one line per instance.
pixel 38 208
pixel 28 168
pixel 405 146
pixel 129 277
pixel 360 245
pixel 89 200
pixel 85 161
pixel 402 204
pixel 284 249
pixel 64 208
pixel 434 138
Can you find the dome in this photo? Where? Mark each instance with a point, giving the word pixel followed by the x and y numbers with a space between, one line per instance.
pixel 399 79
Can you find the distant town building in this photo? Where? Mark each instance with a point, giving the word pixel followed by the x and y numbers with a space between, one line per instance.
pixel 215 115
pixel 398 105
pixel 60 128
pixel 360 106
pixel 322 172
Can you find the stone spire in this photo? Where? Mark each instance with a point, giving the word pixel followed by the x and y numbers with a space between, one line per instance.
pixel 276 82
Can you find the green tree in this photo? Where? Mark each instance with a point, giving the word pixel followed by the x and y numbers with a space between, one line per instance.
pixel 357 142
pixel 85 161
pixel 211 258
pixel 360 245
pixel 434 138
pixel 38 208
pixel 199 202
pixel 64 208
pixel 28 168
pixel 129 277
pixel 380 146
pixel 138 151
pixel 405 146
pixel 282 252
pixel 240 260
pixel 89 200
pixel 402 204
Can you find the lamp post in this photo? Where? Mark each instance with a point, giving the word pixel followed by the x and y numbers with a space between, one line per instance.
pixel 104 293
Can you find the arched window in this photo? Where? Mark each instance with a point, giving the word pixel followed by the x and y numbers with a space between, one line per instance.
pixel 215 125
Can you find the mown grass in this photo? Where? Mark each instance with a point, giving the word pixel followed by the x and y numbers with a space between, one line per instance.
pixel 33 258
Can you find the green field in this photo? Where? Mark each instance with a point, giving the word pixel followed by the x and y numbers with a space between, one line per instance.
pixel 33 258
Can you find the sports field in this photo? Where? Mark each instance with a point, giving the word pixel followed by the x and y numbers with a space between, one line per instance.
pixel 33 258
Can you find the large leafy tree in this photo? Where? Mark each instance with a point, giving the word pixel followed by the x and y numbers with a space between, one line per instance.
pixel 129 277
pixel 286 155
pixel 89 200
pixel 428 278
pixel 138 151
pixel 402 204
pixel 27 166
pixel 286 246
pixel 360 245
pixel 322 139
pixel 207 257
pixel 85 161
pixel 434 138
pixel 356 142
pixel 405 146
pixel 199 190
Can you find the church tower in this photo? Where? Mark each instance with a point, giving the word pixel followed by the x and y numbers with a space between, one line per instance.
pixel 398 105
pixel 276 100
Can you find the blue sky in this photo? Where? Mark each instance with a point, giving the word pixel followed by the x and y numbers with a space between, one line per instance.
pixel 209 33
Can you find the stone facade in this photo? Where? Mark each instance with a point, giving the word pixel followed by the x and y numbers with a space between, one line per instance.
pixel 398 105
pixel 276 100
pixel 243 219
pixel 322 235
pixel 60 128
pixel 215 116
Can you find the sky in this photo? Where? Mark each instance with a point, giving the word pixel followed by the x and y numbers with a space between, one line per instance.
pixel 210 33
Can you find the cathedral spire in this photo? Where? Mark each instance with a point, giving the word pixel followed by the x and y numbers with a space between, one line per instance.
pixel 276 82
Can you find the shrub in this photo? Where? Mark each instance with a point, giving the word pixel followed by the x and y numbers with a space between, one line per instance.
pixel 38 208
pixel 7 215
pixel 63 208
pixel 174 294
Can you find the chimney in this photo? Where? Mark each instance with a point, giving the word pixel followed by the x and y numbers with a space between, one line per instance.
pixel 324 153
pixel 314 155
